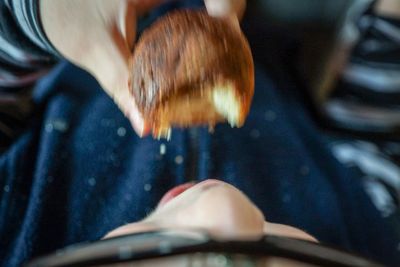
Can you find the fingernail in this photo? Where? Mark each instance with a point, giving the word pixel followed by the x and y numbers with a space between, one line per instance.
pixel 218 8
pixel 137 123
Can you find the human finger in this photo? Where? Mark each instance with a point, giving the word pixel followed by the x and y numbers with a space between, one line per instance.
pixel 226 8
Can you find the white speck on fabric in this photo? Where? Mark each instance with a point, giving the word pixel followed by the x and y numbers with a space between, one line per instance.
pixel 121 131
pixel 92 181
pixel 179 160
pixel 270 116
pixel 255 134
pixel 6 188
pixel 163 149
pixel 147 187
pixel 56 125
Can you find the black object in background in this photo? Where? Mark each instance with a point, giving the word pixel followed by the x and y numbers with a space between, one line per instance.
pixel 346 58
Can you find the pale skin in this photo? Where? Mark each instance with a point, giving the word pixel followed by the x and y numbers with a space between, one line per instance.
pixel 216 207
pixel 99 36
pixel 389 8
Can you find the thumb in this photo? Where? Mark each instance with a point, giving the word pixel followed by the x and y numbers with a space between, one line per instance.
pixel 226 8
pixel 114 79
pixel 127 104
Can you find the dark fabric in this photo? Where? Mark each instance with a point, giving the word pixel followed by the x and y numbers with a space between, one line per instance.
pixel 20 53
pixel 16 45
pixel 80 171
pixel 27 15
pixel 25 56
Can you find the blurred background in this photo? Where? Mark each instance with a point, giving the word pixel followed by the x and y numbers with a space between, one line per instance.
pixel 346 53
pixel 345 57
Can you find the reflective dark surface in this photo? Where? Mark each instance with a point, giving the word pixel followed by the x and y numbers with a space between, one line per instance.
pixel 186 243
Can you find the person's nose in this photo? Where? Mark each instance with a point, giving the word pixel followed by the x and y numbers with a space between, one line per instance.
pixel 225 212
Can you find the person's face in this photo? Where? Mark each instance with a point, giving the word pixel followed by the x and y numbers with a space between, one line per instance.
pixel 214 206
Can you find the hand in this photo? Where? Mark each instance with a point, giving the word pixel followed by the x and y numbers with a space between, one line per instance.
pixel 99 36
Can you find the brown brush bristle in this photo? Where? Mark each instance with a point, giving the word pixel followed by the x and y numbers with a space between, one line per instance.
pixel 178 63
